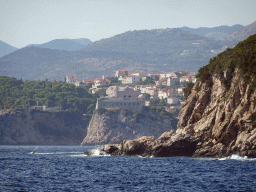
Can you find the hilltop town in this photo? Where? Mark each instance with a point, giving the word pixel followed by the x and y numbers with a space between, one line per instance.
pixel 166 87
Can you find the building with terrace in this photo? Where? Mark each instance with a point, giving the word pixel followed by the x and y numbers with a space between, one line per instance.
pixel 122 97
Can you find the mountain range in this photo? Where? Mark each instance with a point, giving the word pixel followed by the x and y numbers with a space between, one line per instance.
pixel 152 51
pixel 242 34
pixel 216 33
pixel 64 44
pixel 5 48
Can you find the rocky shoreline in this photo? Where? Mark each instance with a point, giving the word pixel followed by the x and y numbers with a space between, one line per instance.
pixel 214 122
pixel 115 125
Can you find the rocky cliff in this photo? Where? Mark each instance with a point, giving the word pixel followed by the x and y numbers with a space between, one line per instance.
pixel 213 122
pixel 42 128
pixel 224 119
pixel 217 119
pixel 114 125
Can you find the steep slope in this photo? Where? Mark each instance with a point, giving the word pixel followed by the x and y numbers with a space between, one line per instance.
pixel 31 62
pixel 243 33
pixel 115 125
pixel 5 49
pixel 219 116
pixel 42 128
pixel 217 33
pixel 64 44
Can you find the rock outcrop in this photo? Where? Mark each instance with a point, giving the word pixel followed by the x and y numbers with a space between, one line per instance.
pixel 115 125
pixel 42 128
pixel 214 122
pixel 224 119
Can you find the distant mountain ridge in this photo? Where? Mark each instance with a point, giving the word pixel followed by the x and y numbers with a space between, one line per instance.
pixel 217 33
pixel 148 50
pixel 64 44
pixel 243 33
pixel 152 51
pixel 5 48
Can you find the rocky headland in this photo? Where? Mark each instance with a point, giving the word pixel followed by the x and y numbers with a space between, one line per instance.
pixel 114 125
pixel 43 128
pixel 218 118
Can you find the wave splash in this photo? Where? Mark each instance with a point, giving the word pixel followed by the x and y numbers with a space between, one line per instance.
pixel 236 157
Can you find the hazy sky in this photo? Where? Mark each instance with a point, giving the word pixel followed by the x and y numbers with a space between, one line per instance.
pixel 26 22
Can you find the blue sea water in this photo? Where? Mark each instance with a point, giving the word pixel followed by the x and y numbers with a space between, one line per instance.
pixel 65 168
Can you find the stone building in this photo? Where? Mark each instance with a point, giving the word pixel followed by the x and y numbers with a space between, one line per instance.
pixel 129 79
pixel 70 79
pixel 119 97
pixel 172 81
pixel 121 72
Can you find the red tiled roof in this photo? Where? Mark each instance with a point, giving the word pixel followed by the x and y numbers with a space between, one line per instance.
pixel 121 70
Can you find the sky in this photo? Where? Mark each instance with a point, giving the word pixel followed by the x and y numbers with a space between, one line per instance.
pixel 25 22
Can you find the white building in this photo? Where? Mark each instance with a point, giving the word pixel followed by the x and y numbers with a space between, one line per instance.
pixel 70 79
pixel 80 83
pixel 139 74
pixel 180 90
pixel 129 79
pixel 121 72
pixel 125 98
pixel 101 83
pixel 173 100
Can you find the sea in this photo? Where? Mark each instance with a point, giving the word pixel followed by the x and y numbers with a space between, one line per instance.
pixel 66 168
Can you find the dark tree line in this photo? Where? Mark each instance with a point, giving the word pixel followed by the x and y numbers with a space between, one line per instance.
pixel 19 95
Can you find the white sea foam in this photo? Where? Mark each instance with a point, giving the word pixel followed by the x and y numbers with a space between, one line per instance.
pixel 236 157
pixel 95 152
pixel 53 153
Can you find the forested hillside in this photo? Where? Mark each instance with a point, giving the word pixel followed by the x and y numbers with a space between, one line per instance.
pixel 242 57
pixel 16 94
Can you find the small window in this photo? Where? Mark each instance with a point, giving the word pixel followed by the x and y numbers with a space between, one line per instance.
pixel 125 104
pixel 129 103
pixel 130 96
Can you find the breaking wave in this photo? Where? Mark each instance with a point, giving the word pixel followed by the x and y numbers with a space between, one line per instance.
pixel 237 157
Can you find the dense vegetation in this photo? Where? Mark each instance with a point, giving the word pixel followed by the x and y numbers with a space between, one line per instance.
pixel 242 57
pixel 19 95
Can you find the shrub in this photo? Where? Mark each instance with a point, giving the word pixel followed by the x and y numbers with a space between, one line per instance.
pixel 101 111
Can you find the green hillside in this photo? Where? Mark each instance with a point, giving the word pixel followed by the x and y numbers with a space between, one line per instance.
pixel 19 95
pixel 242 57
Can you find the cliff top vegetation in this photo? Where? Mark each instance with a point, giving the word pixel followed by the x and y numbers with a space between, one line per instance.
pixel 241 57
pixel 18 95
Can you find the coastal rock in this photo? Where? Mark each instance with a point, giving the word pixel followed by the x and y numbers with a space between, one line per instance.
pixel 42 128
pixel 214 122
pixel 167 145
pixel 115 125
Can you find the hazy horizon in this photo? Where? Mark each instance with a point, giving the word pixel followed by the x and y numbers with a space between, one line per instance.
pixel 27 22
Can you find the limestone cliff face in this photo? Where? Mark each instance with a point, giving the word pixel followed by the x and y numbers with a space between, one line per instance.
pixel 214 122
pixel 115 125
pixel 42 128
pixel 223 118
